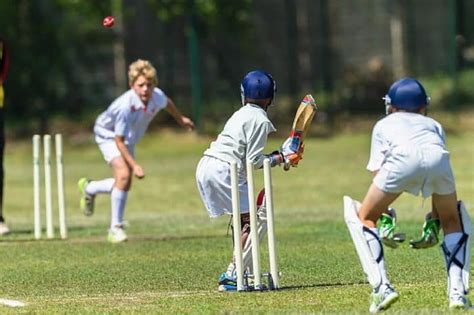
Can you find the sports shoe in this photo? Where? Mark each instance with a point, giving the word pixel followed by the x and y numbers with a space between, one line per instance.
pixel 87 201
pixel 227 283
pixel 117 235
pixel 429 235
pixel 388 225
pixel 459 302
pixel 383 298
pixel 4 230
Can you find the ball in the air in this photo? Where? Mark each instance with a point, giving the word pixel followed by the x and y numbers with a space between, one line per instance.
pixel 108 21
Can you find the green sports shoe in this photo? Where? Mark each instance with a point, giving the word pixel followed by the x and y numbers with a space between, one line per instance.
pixel 429 235
pixel 388 226
pixel 87 201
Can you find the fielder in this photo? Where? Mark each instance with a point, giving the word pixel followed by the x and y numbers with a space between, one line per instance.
pixel 117 131
pixel 244 137
pixel 408 154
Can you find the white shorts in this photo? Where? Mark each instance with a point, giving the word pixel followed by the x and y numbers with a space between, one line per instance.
pixel 415 170
pixel 213 182
pixel 110 150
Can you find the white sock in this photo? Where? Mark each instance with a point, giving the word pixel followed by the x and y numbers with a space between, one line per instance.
pixel 451 240
pixel 103 186
pixel 376 248
pixel 230 269
pixel 118 200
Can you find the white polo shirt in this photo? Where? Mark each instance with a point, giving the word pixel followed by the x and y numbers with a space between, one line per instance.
pixel 408 151
pixel 244 137
pixel 402 129
pixel 127 116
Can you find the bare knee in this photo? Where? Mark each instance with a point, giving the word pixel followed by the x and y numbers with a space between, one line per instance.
pixel 122 174
pixel 123 178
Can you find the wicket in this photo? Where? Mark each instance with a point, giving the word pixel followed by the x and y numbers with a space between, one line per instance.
pixel 273 275
pixel 47 186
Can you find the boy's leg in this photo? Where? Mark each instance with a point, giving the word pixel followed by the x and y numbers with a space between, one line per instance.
pixel 456 246
pixel 360 220
pixel 122 176
pixel 261 231
pixel 246 241
pixel 103 186
pixel 228 279
pixel 89 189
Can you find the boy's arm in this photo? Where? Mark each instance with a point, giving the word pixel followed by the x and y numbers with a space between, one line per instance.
pixel 180 119
pixel 137 169
pixel 256 144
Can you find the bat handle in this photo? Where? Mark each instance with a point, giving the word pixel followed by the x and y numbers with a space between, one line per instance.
pixel 286 166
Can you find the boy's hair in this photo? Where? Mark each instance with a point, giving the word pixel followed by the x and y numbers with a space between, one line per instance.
pixel 142 67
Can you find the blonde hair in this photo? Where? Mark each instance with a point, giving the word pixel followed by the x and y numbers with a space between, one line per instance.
pixel 144 68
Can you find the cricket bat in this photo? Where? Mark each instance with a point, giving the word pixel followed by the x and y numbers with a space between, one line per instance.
pixel 301 123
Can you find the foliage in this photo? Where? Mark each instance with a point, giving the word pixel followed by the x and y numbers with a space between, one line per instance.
pixel 63 61
pixel 444 94
pixel 55 47
pixel 213 15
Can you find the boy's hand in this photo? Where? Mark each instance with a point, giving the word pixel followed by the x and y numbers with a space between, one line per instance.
pixel 138 171
pixel 429 235
pixel 291 157
pixel 187 123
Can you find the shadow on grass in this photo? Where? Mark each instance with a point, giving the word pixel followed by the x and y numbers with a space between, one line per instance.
pixel 13 237
pixel 321 285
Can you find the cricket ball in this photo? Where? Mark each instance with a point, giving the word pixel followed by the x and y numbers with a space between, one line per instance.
pixel 108 21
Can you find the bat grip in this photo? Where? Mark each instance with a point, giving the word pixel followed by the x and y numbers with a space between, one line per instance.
pixel 286 166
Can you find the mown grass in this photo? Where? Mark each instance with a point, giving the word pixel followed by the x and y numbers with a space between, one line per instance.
pixel 175 252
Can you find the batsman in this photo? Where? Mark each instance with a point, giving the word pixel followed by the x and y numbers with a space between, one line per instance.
pixel 243 138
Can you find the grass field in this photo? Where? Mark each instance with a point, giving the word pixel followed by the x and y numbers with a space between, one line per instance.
pixel 175 252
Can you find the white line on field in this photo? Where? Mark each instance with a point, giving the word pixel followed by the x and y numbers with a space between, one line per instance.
pixel 12 303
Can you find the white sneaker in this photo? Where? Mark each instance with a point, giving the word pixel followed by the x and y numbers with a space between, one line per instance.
pixel 459 301
pixel 383 298
pixel 117 235
pixel 4 228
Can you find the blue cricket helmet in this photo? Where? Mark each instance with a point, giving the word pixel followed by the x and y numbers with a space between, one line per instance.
pixel 407 94
pixel 257 85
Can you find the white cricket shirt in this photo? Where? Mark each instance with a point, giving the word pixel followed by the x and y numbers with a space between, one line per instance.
pixel 402 129
pixel 127 116
pixel 244 137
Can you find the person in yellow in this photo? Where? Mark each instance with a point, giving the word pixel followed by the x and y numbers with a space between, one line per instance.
pixel 4 62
